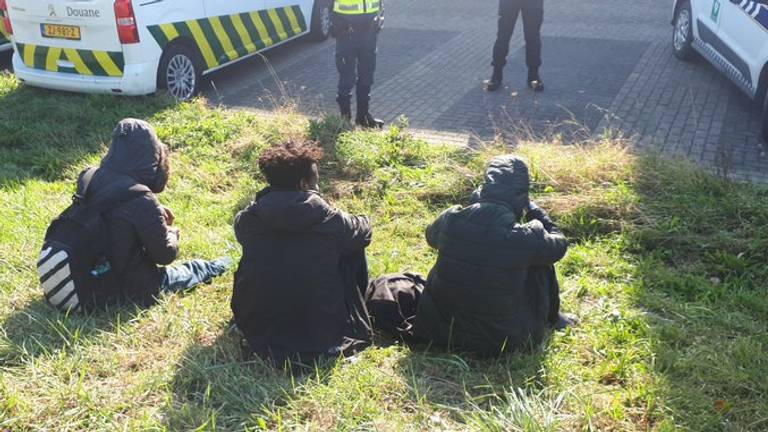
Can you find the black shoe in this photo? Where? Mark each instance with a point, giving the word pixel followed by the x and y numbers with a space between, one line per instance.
pixel 497 78
pixel 536 84
pixel 564 321
pixel 491 85
pixel 369 122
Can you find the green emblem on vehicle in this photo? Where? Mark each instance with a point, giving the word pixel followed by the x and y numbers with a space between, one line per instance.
pixel 716 11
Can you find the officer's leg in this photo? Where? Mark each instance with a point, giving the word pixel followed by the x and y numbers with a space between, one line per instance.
pixel 346 63
pixel 366 67
pixel 533 16
pixel 508 13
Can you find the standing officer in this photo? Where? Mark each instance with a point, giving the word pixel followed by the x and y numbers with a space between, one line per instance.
pixel 356 27
pixel 533 16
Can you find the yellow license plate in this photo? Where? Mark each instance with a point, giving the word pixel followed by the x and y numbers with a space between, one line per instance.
pixel 57 31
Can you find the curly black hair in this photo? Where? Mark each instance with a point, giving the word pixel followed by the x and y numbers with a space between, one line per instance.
pixel 285 165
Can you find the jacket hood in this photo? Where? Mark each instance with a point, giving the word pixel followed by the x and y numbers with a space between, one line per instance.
pixel 507 182
pixel 290 211
pixel 137 152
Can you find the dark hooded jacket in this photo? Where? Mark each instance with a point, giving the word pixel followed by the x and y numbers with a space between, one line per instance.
pixel 489 291
pixel 289 294
pixel 139 239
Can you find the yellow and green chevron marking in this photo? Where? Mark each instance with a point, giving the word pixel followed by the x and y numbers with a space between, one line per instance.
pixel 226 38
pixel 95 63
pixel 4 36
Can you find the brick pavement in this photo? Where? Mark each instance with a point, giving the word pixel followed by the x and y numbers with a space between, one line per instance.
pixel 607 64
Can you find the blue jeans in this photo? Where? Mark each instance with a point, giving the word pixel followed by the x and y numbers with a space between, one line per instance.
pixel 191 274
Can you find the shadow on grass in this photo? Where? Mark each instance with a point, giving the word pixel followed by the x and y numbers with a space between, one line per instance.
pixel 700 275
pixel 38 330
pixel 680 254
pixel 216 386
pixel 457 383
pixel 45 134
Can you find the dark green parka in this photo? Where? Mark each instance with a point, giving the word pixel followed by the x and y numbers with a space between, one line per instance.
pixel 491 290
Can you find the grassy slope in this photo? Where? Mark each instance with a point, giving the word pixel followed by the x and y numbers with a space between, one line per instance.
pixel 666 270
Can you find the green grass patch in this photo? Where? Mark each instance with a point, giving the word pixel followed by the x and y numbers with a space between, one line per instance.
pixel 666 270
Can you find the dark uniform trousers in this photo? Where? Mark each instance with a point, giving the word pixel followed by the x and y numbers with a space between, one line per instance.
pixel 356 62
pixel 533 16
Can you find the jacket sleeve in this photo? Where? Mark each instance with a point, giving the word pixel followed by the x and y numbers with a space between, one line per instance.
pixel 241 220
pixel 547 248
pixel 355 232
pixel 436 228
pixel 160 244
pixel 537 213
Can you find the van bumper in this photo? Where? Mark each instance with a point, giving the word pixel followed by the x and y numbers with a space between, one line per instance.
pixel 137 80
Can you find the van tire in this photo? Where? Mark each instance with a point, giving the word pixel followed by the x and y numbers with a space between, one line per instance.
pixel 682 32
pixel 320 28
pixel 180 72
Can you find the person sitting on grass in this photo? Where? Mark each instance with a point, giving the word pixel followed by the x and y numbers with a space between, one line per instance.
pixel 298 291
pixel 494 288
pixel 139 232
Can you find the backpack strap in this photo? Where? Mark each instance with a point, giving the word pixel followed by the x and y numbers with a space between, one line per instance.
pixel 83 185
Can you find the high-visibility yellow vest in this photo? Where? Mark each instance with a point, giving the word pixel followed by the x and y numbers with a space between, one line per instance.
pixel 356 7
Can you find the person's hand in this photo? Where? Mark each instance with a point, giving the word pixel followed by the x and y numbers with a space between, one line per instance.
pixel 168 215
pixel 536 213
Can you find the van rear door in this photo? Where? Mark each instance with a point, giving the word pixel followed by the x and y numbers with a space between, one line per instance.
pixel 68 36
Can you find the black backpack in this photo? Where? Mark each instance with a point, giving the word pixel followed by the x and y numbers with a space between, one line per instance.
pixel 392 301
pixel 74 265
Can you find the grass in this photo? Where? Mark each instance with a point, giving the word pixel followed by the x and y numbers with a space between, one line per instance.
pixel 666 271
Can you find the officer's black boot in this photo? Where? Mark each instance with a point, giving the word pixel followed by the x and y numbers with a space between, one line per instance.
pixel 494 83
pixel 345 107
pixel 534 80
pixel 369 122
pixel 364 117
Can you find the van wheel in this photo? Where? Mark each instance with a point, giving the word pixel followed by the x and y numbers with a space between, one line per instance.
pixel 180 72
pixel 320 28
pixel 682 34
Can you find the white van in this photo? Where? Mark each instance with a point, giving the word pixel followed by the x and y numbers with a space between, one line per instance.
pixel 733 36
pixel 135 47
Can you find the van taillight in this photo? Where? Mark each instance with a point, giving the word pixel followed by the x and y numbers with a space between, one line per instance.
pixel 126 22
pixel 6 18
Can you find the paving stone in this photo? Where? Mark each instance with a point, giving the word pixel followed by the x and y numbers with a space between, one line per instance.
pixel 608 64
